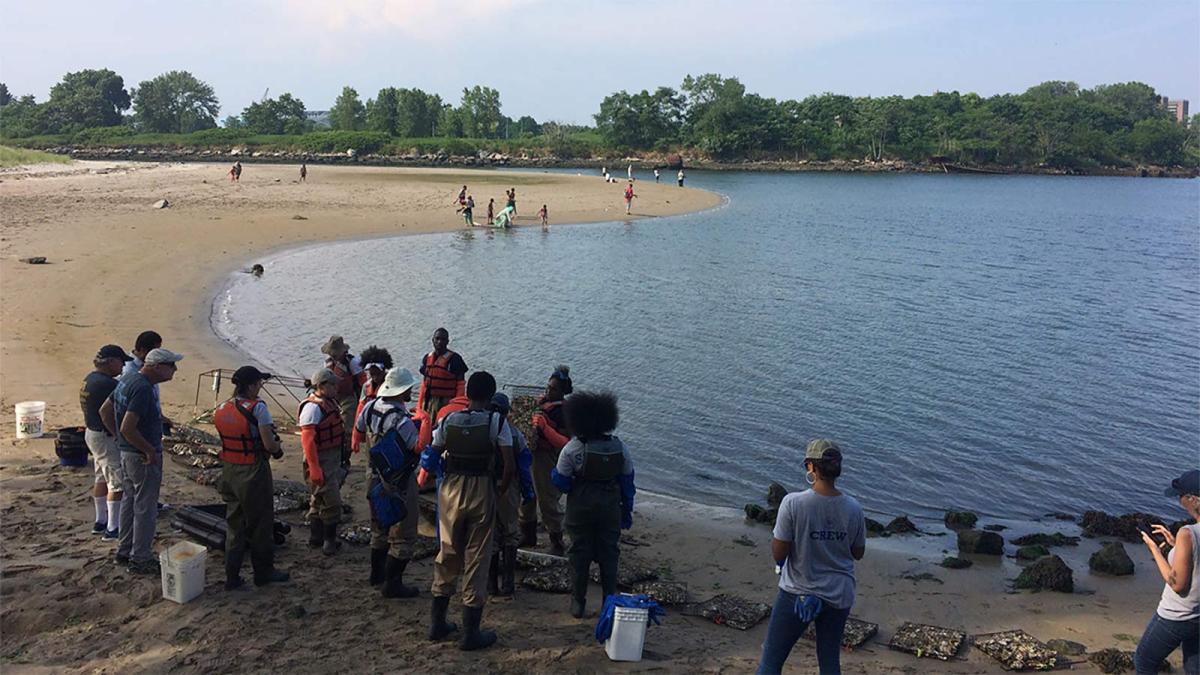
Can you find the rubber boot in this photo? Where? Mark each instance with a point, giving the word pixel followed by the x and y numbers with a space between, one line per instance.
pixel 439 627
pixel 316 532
pixel 393 586
pixel 578 606
pixel 556 544
pixel 233 569
pixel 331 544
pixel 508 570
pixel 473 638
pixel 528 535
pixel 379 558
pixel 494 575
pixel 265 572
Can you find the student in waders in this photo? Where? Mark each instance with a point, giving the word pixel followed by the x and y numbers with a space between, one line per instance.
pixel 247 437
pixel 322 438
pixel 508 532
pixel 348 370
pixel 467 444
pixel 548 437
pixel 444 378
pixel 391 549
pixel 596 473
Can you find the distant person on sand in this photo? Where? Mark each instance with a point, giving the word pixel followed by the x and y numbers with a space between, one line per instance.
pixel 818 535
pixel 629 197
pixel 133 415
pixel 1176 622
pixel 491 211
pixel 232 173
pixel 462 196
pixel 595 471
pixel 248 441
pixel 467 208
pixel 303 171
pixel 237 171
pixel 629 171
pixel 680 177
pixel 547 438
pixel 512 202
pixel 544 215
pixel 106 458
pixel 321 438
pixel 656 175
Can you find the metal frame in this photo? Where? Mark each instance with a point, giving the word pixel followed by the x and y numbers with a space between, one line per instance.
pixel 279 382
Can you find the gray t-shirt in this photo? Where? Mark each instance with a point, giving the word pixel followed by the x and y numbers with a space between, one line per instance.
pixel 822 531
pixel 1173 606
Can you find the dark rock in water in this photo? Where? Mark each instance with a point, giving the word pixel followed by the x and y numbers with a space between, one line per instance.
pixel 1111 559
pixel 995 528
pixel 769 515
pixel 901 525
pixel 1067 647
pixel 753 511
pixel 1059 515
pixel 980 541
pixel 1043 539
pixel 960 520
pixel 775 494
pixel 1032 552
pixel 1047 574
pixel 1101 524
pixel 954 563
pixel 1116 661
pixel 875 528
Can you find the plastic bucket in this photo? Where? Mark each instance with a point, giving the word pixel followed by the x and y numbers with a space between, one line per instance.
pixel 628 634
pixel 31 419
pixel 183 571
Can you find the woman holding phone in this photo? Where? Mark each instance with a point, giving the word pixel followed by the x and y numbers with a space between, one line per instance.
pixel 1176 622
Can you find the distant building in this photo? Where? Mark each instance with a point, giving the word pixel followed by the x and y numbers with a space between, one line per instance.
pixel 319 117
pixel 1178 110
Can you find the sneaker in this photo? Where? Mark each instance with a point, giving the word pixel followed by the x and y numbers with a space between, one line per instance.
pixel 148 567
pixel 110 535
pixel 99 528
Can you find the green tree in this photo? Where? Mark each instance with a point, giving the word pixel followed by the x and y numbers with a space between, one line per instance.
pixel 480 112
pixel 84 99
pixel 348 112
pixel 526 127
pixel 284 115
pixel 1136 100
pixel 21 117
pixel 1159 141
pixel 5 97
pixel 417 113
pixel 381 111
pixel 175 103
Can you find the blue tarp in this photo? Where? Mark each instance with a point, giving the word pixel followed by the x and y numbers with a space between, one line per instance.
pixel 605 624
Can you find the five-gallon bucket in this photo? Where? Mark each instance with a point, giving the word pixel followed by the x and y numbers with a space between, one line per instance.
pixel 183 571
pixel 31 419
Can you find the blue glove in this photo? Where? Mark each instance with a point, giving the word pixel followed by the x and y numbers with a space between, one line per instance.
pixel 626 519
pixel 563 483
pixel 808 607
pixel 431 461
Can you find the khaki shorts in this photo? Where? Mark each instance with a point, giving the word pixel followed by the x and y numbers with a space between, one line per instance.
pixel 106 458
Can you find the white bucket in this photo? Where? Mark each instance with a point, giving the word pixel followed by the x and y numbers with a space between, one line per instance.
pixel 31 419
pixel 628 634
pixel 183 571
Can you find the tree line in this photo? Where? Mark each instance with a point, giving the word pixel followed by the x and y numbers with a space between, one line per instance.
pixel 1051 124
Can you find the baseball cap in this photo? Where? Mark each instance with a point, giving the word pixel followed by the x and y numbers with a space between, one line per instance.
pixel 160 355
pixel 500 403
pixel 1186 484
pixel 322 376
pixel 822 448
pixel 248 374
pixel 113 352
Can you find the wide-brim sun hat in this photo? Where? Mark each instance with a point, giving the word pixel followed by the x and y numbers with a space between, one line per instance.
pixel 396 382
pixel 335 346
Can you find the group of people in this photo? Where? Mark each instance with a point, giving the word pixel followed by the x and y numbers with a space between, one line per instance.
pixel 608 178
pixel 502 219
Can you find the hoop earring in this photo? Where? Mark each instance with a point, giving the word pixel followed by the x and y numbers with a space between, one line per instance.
pixel 810 477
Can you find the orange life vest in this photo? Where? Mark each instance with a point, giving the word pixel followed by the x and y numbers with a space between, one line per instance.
pixel 330 431
pixel 235 423
pixel 368 394
pixel 439 381
pixel 346 383
pixel 554 417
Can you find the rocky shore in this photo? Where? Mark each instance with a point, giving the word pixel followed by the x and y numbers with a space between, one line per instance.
pixel 617 165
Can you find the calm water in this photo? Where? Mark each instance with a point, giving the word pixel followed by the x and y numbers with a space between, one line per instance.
pixel 1014 345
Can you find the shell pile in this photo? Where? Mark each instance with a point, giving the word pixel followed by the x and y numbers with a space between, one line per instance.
pixel 729 610
pixel 664 592
pixel 927 641
pixel 1017 650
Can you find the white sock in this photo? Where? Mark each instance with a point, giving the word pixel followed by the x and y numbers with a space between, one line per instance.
pixel 114 515
pixel 101 512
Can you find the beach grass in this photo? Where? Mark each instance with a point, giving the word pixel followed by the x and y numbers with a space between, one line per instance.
pixel 21 156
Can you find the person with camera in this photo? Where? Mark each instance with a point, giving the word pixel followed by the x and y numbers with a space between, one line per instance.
pixel 1176 622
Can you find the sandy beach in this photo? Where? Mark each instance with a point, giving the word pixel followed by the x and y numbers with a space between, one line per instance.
pixel 117 266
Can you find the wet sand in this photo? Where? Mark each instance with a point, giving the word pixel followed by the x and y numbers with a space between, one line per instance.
pixel 118 266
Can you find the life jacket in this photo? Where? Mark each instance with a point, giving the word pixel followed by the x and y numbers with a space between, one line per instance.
pixel 235 423
pixel 377 420
pixel 439 381
pixel 367 395
pixel 554 415
pixel 347 386
pixel 470 450
pixel 603 461
pixel 330 431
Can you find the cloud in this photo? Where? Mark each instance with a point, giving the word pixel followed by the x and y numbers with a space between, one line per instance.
pixel 414 18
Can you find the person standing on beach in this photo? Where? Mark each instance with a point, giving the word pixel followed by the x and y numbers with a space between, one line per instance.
pixel 468 443
pixel 544 215
pixel 512 203
pixel 467 208
pixel 596 473
pixel 376 362
pixel 106 458
pixel 146 341
pixel 462 196
pixel 629 197
pixel 548 438
pixel 501 578
pixel 347 368
pixel 247 438
pixel 322 437
pixel 303 171
pixel 492 211
pixel 680 177
pixel 237 171
pixel 819 533
pixel 629 173
pixel 1176 622
pixel 133 415
pixel 391 550
pixel 444 373
pixel 656 175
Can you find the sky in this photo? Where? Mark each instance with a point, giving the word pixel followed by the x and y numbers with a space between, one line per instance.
pixel 557 59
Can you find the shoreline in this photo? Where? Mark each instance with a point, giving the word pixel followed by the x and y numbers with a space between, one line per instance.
pixel 61 589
